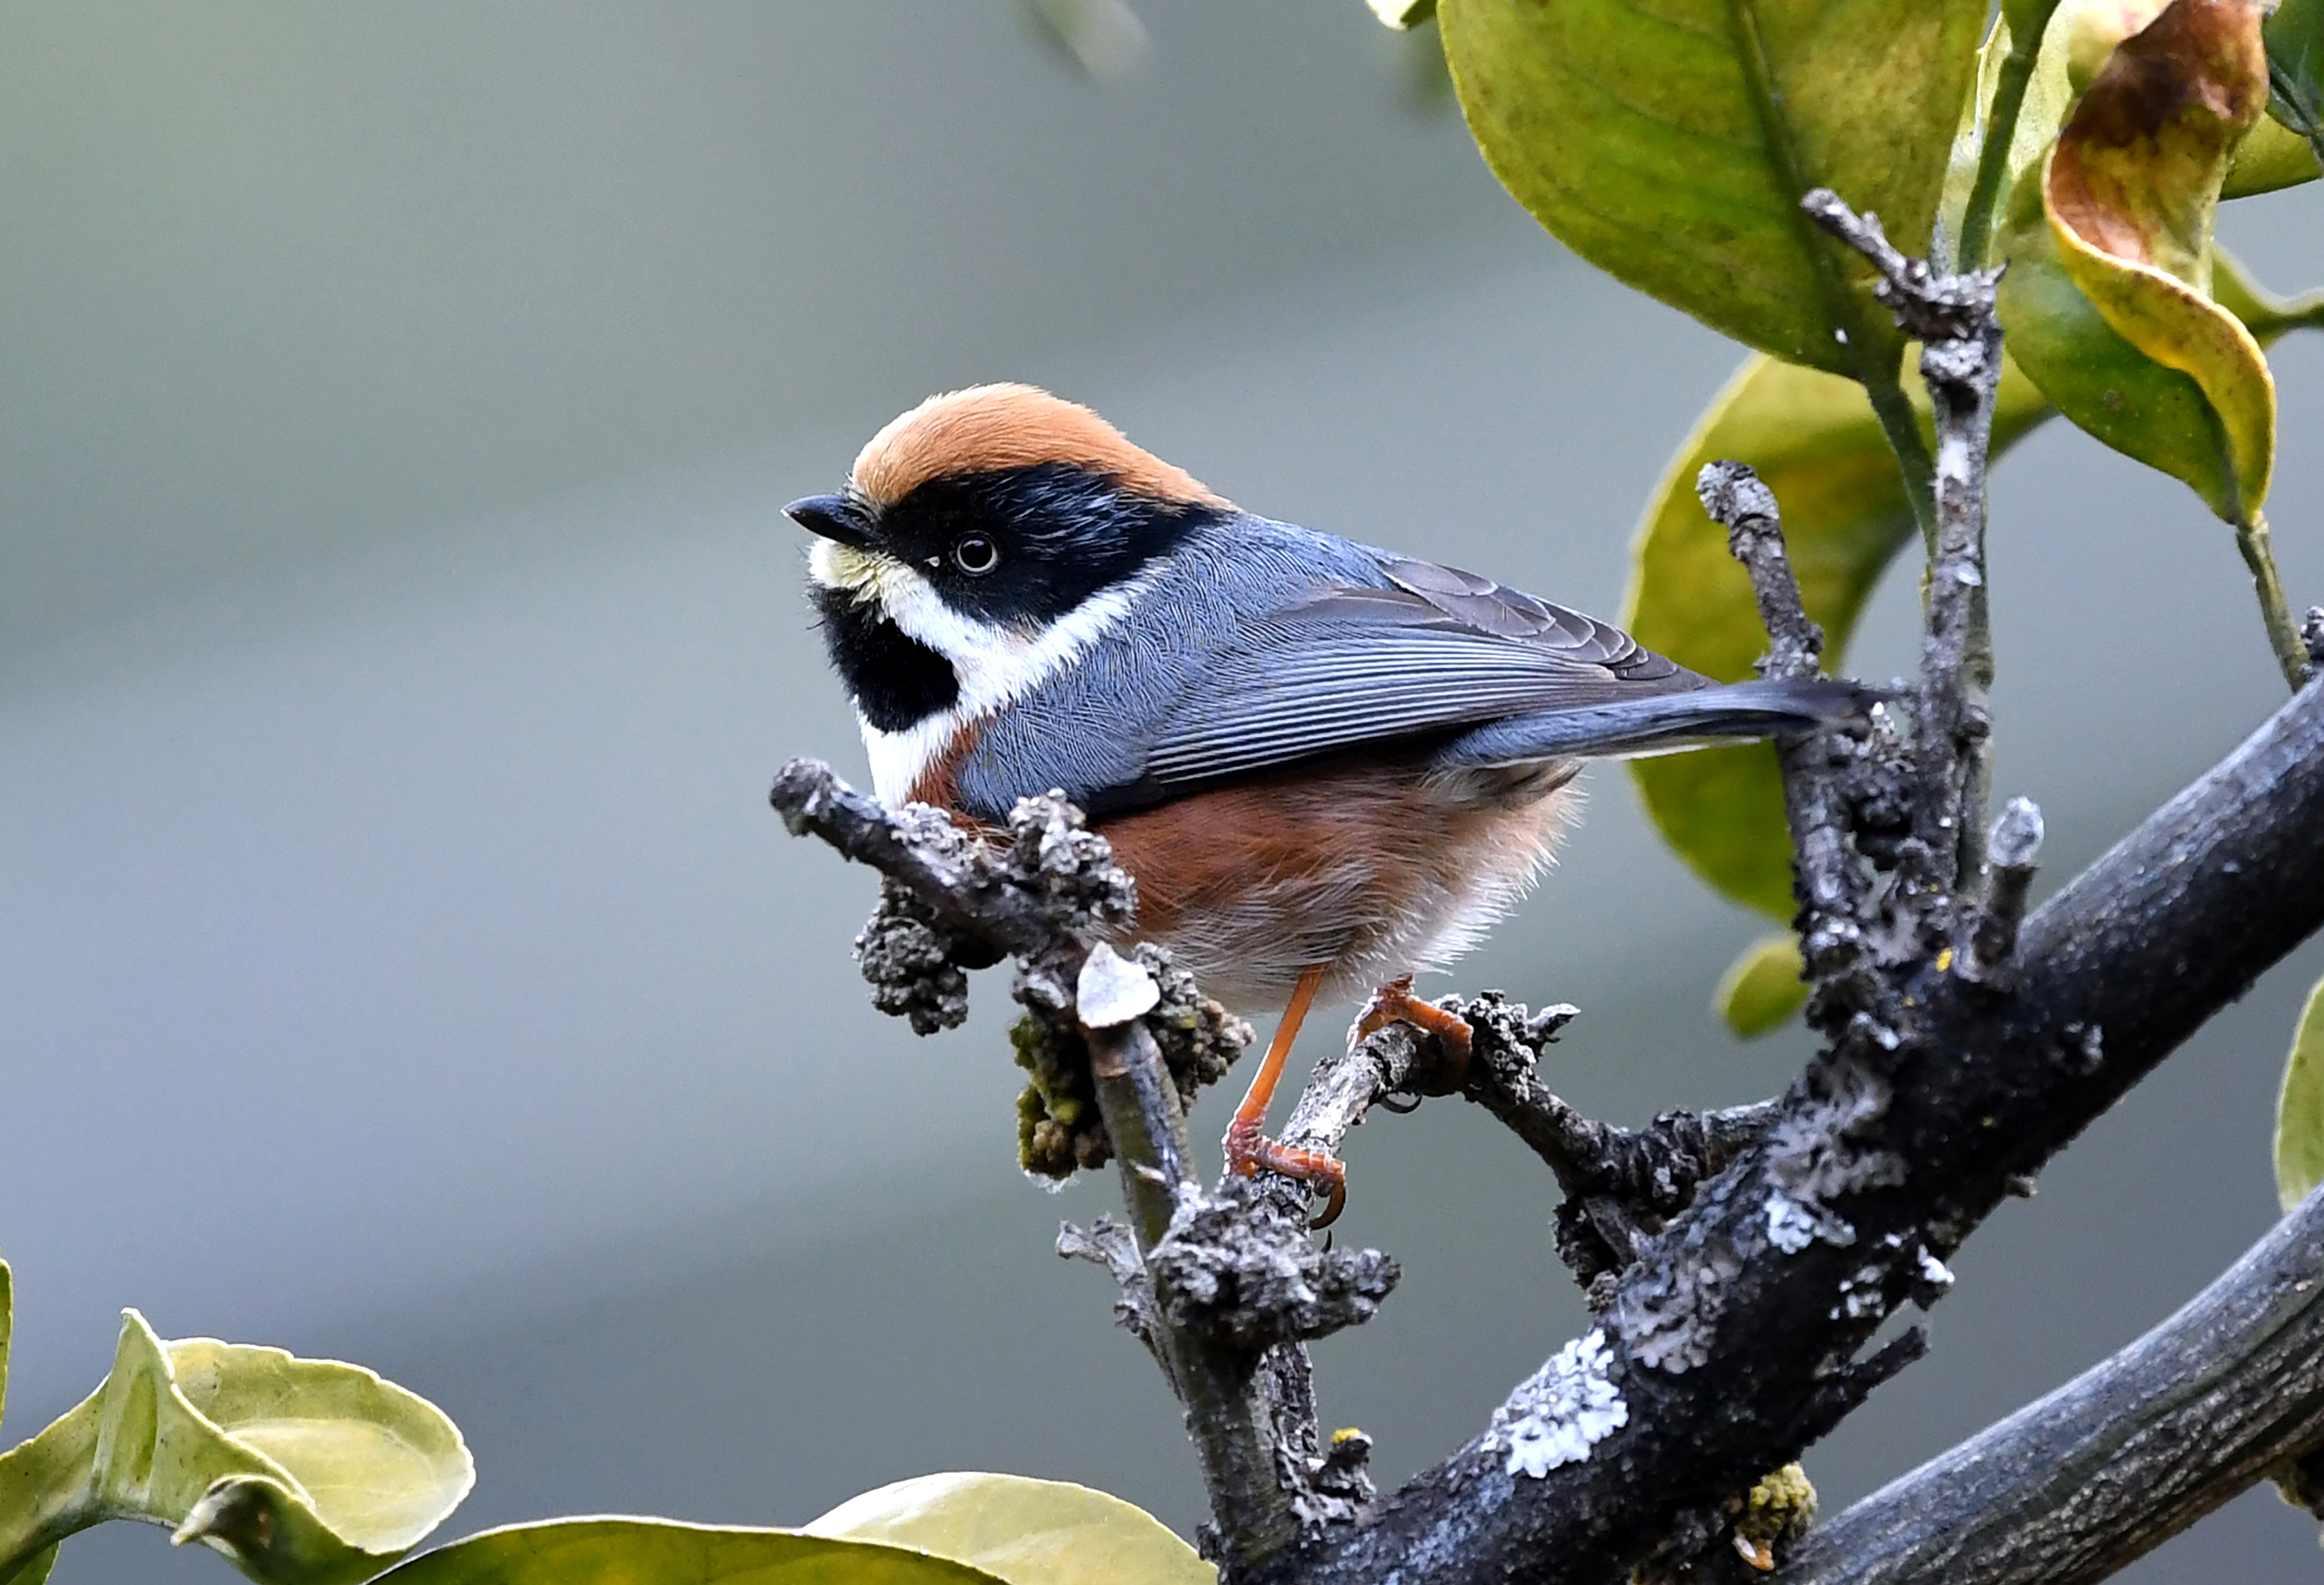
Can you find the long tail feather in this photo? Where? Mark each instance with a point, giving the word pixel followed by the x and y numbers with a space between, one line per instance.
pixel 1660 722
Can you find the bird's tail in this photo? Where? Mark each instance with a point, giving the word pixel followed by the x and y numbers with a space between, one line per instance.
pixel 1660 724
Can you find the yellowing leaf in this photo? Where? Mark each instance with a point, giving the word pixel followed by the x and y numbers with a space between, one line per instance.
pixel 2107 302
pixel 1669 143
pixel 1026 1531
pixel 2299 1109
pixel 1814 440
pixel 663 1552
pixel 300 1471
pixel 1762 988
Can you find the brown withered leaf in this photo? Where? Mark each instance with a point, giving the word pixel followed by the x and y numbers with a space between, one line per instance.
pixel 2138 166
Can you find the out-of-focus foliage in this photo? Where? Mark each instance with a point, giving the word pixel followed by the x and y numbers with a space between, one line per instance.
pixel 1762 988
pixel 2299 1108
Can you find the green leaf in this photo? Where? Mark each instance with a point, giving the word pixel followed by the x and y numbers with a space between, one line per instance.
pixel 663 1552
pixel 300 1471
pixel 1814 440
pixel 1669 143
pixel 2107 302
pixel 1762 988
pixel 2266 315
pixel 1026 1531
pixel 2299 1109
pixel 2295 71
pixel 2270 157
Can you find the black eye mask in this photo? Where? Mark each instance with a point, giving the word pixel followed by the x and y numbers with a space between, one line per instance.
pixel 1022 547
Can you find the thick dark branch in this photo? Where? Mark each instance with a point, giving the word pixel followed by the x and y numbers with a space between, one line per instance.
pixel 1757 1297
pixel 2071 1489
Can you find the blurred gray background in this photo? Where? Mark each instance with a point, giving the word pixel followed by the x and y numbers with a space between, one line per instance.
pixel 398 632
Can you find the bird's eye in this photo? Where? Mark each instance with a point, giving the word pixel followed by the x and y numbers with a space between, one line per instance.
pixel 975 554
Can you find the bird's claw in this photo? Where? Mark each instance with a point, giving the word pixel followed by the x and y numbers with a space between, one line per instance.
pixel 1394 1003
pixel 1250 1152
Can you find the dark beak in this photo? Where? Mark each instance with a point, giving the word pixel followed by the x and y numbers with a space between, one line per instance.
pixel 833 517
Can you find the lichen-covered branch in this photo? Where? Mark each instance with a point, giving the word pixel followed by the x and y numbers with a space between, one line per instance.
pixel 1953 318
pixel 1221 1287
pixel 1967 1044
pixel 1732 1342
pixel 2068 1489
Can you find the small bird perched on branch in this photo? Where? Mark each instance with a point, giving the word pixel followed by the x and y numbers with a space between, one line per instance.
pixel 1326 766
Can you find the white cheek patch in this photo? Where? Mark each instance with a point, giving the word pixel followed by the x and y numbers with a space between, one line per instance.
pixel 997 664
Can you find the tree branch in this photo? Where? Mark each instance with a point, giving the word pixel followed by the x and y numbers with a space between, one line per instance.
pixel 1731 1339
pixel 2068 1489
pixel 1227 1285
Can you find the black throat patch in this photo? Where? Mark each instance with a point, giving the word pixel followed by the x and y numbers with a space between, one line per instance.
pixel 896 681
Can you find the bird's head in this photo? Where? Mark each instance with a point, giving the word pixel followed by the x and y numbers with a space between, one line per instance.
pixel 1007 507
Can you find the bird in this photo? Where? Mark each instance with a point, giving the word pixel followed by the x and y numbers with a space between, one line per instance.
pixel 1326 766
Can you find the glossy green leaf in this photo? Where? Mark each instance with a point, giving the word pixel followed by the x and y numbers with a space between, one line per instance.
pixel 1669 145
pixel 1024 1530
pixel 1762 988
pixel 2299 1108
pixel 2107 302
pixel 300 1471
pixel 663 1552
pixel 1814 440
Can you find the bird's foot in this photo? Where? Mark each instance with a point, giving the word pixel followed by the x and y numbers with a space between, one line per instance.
pixel 1394 1003
pixel 1250 1152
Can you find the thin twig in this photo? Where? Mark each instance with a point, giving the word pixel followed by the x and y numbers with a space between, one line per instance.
pixel 1953 318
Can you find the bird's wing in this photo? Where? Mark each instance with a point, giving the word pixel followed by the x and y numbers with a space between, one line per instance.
pixel 1434 651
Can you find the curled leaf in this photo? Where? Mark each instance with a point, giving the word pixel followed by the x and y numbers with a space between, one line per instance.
pixel 299 1471
pixel 1024 1530
pixel 1762 988
pixel 1814 440
pixel 1670 145
pixel 2107 302
pixel 2299 1108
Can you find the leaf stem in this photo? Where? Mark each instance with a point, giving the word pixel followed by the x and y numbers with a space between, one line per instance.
pixel 2000 132
pixel 2282 633
pixel 1902 425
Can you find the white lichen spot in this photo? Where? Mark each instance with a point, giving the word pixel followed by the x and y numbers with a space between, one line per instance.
pixel 1112 990
pixel 1934 1271
pixel 1562 1411
pixel 1791 1226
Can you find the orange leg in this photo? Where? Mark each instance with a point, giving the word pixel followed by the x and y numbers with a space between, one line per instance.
pixel 1394 1003
pixel 1250 1151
